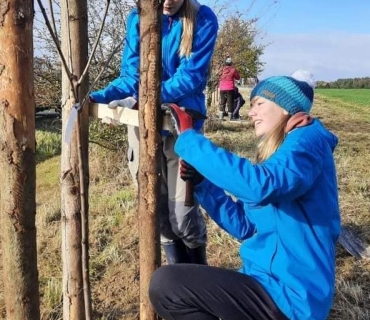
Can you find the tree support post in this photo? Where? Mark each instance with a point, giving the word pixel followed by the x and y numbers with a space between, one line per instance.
pixel 150 153
pixel 17 161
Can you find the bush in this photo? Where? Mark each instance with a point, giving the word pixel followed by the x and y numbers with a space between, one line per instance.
pixel 48 145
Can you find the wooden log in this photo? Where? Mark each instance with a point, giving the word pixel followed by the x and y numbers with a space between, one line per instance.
pixel 121 115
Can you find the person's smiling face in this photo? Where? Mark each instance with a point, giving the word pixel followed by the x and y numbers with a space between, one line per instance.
pixel 171 7
pixel 265 115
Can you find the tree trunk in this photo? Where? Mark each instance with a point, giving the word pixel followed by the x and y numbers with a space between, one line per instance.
pixel 149 165
pixel 17 161
pixel 75 49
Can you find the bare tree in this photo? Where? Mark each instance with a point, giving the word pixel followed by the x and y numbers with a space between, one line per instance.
pixel 240 37
pixel 48 76
pixel 149 165
pixel 237 39
pixel 111 40
pixel 17 161
pixel 72 50
pixel 112 36
pixel 74 163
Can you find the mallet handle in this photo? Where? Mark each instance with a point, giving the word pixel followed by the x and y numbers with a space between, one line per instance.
pixel 189 196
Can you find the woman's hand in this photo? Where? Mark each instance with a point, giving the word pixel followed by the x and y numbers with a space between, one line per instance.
pixel 189 173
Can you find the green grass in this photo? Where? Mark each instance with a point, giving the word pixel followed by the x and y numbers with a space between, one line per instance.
pixel 113 223
pixel 48 145
pixel 353 96
pixel 48 138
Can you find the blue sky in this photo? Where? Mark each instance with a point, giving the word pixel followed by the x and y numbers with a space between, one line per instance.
pixel 327 37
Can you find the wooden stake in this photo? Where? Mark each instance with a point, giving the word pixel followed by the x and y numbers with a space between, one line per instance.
pixel 150 139
pixel 17 161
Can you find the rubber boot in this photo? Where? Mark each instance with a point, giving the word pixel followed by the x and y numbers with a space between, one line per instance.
pixel 198 255
pixel 231 118
pixel 221 115
pixel 176 252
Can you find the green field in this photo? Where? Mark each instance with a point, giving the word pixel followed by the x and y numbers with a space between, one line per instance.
pixel 356 96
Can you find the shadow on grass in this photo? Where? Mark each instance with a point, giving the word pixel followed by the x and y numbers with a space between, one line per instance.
pixel 49 123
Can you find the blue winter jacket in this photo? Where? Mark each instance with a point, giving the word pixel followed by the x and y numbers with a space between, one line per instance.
pixel 183 79
pixel 287 211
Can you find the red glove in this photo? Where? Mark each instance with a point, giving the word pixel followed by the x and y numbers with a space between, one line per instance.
pixel 181 120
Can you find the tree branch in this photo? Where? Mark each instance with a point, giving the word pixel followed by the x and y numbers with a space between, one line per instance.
pixel 52 18
pixel 95 44
pixel 100 73
pixel 56 42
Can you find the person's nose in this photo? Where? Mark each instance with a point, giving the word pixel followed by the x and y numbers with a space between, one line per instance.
pixel 251 112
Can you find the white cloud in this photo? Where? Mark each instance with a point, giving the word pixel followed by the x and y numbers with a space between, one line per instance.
pixel 328 56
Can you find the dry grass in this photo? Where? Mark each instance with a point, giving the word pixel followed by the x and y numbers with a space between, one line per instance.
pixel 352 125
pixel 113 224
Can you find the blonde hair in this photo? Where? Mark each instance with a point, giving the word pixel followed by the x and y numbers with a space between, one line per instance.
pixel 188 16
pixel 272 141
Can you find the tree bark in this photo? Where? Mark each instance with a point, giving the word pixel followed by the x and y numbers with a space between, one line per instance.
pixel 75 49
pixel 17 161
pixel 150 139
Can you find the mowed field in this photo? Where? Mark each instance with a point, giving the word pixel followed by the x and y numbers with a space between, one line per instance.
pixel 357 96
pixel 114 265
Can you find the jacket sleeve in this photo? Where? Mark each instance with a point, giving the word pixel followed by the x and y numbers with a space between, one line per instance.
pixel 286 175
pixel 192 71
pixel 127 83
pixel 227 213
pixel 236 74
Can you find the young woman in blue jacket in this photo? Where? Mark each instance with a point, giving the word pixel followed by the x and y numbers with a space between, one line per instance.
pixel 189 32
pixel 286 215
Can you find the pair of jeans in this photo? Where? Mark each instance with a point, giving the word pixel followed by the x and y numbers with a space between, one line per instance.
pixel 227 98
pixel 189 292
pixel 176 220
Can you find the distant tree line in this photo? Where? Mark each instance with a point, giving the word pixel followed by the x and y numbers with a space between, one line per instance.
pixel 352 83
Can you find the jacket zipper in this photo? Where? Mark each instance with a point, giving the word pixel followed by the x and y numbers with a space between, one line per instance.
pixel 170 23
pixel 166 42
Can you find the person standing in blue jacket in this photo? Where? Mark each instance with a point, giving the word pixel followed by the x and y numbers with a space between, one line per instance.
pixel 189 32
pixel 286 213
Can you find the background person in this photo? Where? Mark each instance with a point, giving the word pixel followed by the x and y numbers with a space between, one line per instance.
pixel 227 85
pixel 189 32
pixel 287 214
pixel 238 103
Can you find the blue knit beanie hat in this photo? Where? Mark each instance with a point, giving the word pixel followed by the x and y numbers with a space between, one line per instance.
pixel 289 93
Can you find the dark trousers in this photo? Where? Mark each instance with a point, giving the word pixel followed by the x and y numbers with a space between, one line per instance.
pixel 198 292
pixel 227 97
pixel 238 103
